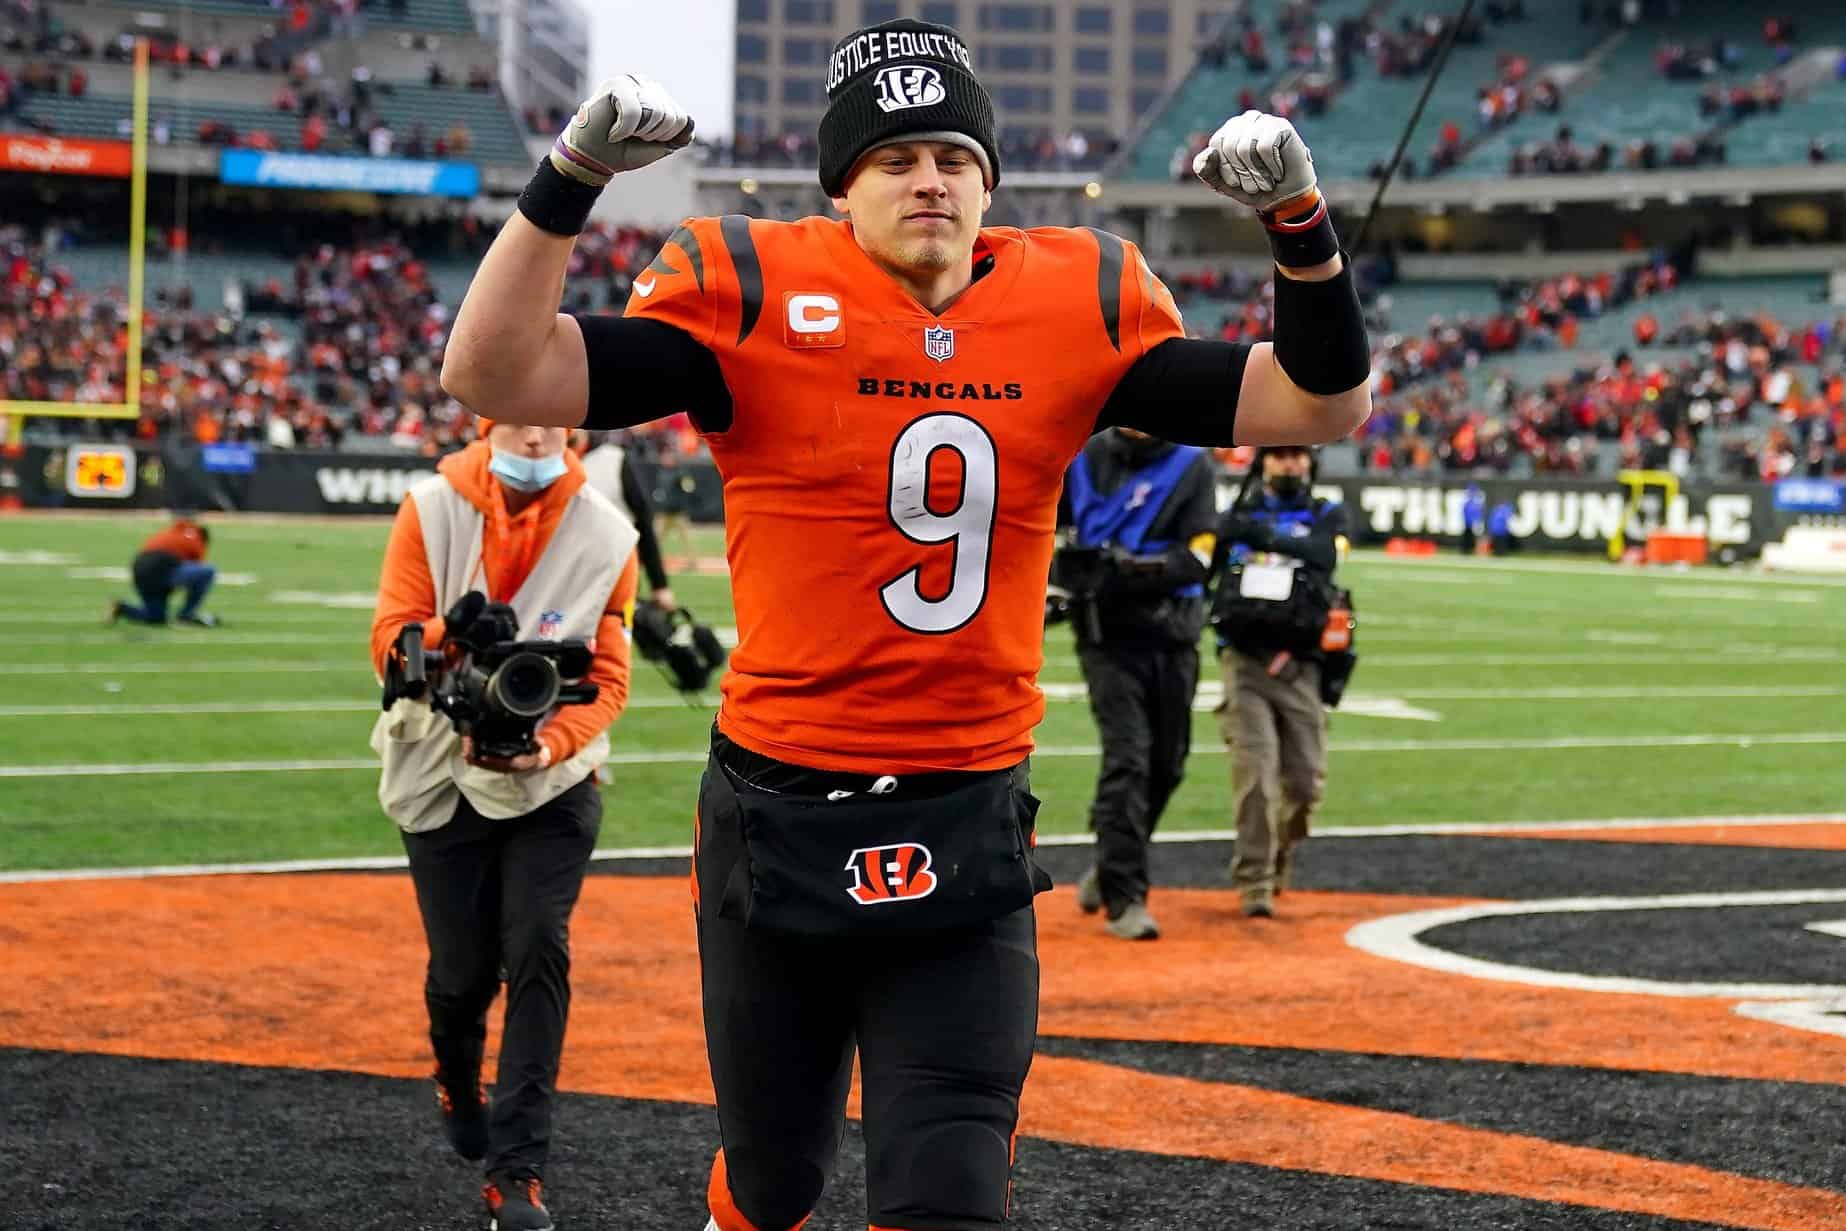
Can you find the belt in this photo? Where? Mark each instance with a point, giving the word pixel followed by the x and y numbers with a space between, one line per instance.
pixel 756 771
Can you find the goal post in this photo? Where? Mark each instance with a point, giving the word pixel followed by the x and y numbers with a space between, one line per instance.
pixel 16 412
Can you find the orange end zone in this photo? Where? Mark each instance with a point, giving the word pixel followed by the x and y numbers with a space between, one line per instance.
pixel 324 971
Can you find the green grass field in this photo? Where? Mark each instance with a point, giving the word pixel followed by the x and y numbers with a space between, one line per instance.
pixel 1543 689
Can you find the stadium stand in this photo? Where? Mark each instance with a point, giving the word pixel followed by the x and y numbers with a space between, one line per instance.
pixel 1580 374
pixel 1517 77
pixel 250 87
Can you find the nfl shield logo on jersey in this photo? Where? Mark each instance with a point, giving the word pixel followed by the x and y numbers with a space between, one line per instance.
pixel 939 343
pixel 550 624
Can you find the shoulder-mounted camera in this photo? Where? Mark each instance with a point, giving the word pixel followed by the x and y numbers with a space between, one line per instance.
pixel 492 686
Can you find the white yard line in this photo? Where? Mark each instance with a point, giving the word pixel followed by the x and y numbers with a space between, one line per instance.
pixel 255 667
pixel 172 638
pixel 1681 662
pixel 1737 594
pixel 1061 693
pixel 267 707
pixel 618 854
pixel 93 614
pixel 693 756
pixel 1588 568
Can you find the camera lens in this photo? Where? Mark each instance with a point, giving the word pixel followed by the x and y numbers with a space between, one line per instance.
pixel 525 685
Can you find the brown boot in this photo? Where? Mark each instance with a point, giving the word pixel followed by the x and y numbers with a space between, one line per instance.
pixel 1258 903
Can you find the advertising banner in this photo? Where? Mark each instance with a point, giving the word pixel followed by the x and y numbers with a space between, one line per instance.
pixel 65 155
pixel 415 176
pixel 1560 514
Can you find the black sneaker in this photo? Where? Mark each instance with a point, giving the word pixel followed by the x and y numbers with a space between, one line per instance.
pixel 201 620
pixel 464 1118
pixel 513 1203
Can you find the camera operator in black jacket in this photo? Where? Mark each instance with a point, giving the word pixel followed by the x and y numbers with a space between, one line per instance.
pixel 1282 638
pixel 1129 574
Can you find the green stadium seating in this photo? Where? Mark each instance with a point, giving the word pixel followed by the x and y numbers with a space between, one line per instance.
pixel 497 138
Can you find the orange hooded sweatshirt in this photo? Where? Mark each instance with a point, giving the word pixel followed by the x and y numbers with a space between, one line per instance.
pixel 511 545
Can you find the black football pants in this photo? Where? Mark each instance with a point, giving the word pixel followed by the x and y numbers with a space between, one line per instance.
pixel 1141 697
pixel 494 895
pixel 943 1023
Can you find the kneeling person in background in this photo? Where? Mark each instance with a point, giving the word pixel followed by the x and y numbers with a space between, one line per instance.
pixel 173 559
pixel 498 846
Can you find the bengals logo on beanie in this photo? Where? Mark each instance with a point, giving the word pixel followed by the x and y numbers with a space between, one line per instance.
pixel 896 79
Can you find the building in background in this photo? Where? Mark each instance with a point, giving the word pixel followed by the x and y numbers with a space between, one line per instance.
pixel 544 52
pixel 1074 66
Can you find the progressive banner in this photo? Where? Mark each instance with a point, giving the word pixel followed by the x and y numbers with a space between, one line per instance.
pixel 410 176
pixel 65 156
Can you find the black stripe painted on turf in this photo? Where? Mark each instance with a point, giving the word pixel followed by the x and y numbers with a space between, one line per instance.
pixel 1440 865
pixel 280 1148
pixel 1726 944
pixel 1509 869
pixel 735 229
pixel 1774 1130
pixel 1109 283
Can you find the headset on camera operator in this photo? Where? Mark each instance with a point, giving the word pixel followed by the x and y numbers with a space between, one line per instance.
pixel 497 723
pixel 1284 637
pixel 1128 575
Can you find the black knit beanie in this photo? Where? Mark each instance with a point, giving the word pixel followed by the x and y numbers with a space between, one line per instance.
pixel 902 78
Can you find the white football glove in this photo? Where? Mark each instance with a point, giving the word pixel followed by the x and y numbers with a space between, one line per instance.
pixel 1257 159
pixel 629 122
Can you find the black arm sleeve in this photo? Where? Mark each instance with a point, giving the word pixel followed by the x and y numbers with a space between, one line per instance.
pixel 641 504
pixel 641 370
pixel 1184 390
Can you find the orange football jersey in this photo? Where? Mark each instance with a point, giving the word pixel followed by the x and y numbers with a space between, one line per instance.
pixel 891 476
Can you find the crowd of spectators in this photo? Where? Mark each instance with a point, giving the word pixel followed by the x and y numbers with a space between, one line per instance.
pixel 314 112
pixel 347 346
pixel 1741 405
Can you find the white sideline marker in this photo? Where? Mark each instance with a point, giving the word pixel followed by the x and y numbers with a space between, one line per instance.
pixel 694 756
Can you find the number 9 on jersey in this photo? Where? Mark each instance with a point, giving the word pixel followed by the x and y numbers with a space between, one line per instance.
pixel 968 526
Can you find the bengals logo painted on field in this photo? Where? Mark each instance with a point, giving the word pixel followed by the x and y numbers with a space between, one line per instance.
pixel 897 873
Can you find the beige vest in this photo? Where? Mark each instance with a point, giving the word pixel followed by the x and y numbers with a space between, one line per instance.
pixel 602 468
pixel 424 774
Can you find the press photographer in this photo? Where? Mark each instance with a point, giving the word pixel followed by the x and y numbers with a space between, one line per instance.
pixel 1284 636
pixel 534 572
pixel 1128 576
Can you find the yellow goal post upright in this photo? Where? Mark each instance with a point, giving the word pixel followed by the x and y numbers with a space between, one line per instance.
pixel 1639 483
pixel 16 412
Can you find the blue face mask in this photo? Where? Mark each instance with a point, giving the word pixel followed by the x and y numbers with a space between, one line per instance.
pixel 527 474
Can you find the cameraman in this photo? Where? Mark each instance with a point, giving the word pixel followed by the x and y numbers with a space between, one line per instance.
pixel 498 847
pixel 611 470
pixel 1273 718
pixel 1140 512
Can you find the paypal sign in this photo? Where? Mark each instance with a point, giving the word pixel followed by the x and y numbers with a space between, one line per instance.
pixel 415 176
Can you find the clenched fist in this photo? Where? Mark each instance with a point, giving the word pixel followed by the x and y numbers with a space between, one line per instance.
pixel 1257 159
pixel 629 122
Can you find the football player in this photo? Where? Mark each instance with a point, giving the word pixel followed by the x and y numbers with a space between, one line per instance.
pixel 891 400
